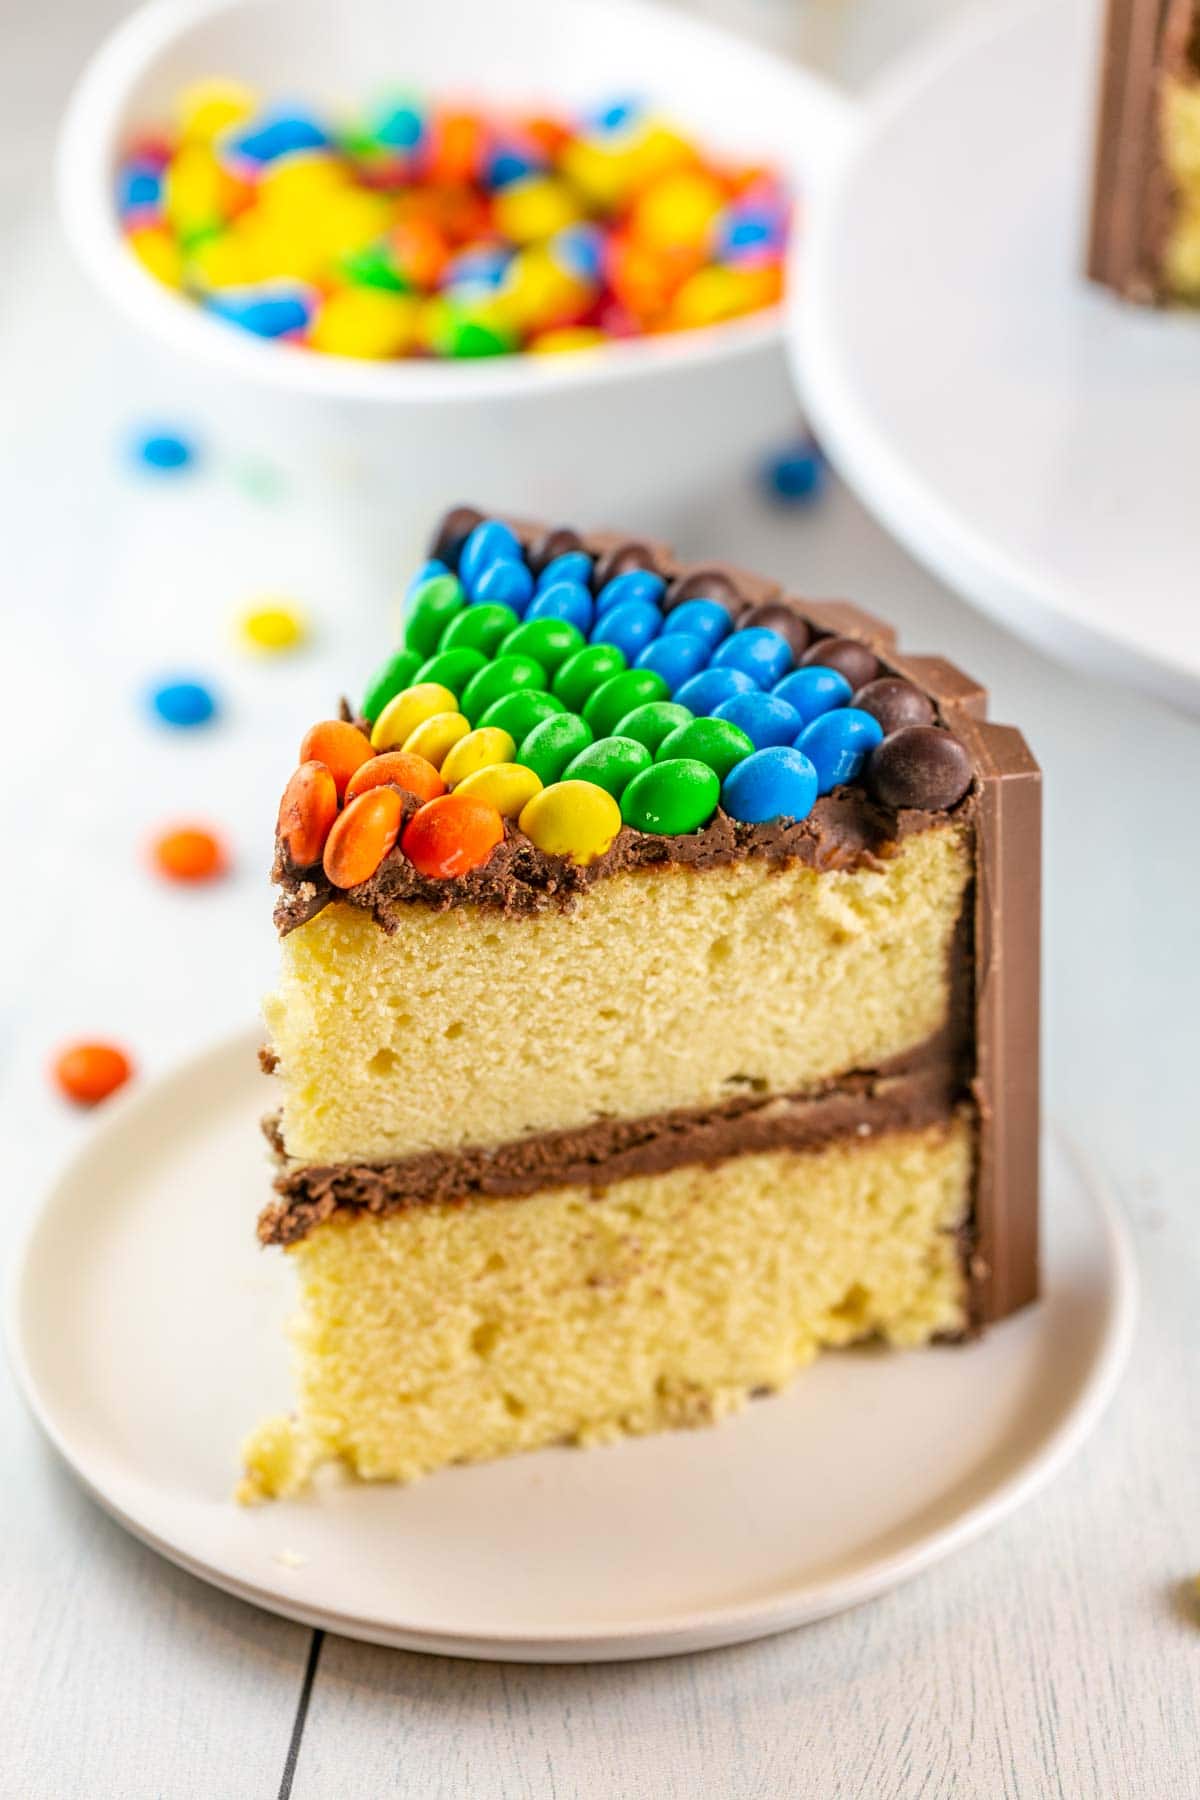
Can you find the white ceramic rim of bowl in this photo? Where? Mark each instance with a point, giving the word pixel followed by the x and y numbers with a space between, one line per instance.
pixel 89 137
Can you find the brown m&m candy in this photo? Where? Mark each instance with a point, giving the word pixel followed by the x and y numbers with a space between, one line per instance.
pixel 559 542
pixel 630 553
pixel 453 533
pixel 777 616
pixel 919 766
pixel 845 654
pixel 894 703
pixel 705 584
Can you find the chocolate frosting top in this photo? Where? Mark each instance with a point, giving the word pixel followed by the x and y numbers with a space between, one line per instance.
pixel 845 830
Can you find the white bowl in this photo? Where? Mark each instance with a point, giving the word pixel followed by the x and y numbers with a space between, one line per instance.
pixel 623 431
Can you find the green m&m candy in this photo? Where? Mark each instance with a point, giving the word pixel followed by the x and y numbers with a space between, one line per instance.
pixel 718 742
pixel 548 641
pixel 519 713
pixel 610 762
pixel 504 676
pixel 583 673
pixel 430 610
pixel 397 673
pixel 453 668
pixel 619 695
pixel 551 745
pixel 671 797
pixel 653 721
pixel 483 628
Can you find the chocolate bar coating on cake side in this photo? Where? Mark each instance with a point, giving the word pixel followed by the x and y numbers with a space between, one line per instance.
pixel 1149 49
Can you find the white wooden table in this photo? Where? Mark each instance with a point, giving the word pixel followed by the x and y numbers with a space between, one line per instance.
pixel 1059 1657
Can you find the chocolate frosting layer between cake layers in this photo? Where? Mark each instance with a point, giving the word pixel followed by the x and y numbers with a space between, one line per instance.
pixel 610 1150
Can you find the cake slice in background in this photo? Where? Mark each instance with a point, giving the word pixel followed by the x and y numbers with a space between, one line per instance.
pixel 658 1007
pixel 1144 239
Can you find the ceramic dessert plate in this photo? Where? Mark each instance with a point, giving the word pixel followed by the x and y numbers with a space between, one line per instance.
pixel 1026 435
pixel 146 1328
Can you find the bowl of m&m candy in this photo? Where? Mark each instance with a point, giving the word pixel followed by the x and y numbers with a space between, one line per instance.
pixel 535 249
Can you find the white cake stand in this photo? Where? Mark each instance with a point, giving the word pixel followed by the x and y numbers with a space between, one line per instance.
pixel 1030 438
pixel 147 1331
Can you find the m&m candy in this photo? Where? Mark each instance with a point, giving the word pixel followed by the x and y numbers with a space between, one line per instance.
pixel 778 783
pixel 183 704
pixel 189 853
pixel 413 229
pixel 89 1072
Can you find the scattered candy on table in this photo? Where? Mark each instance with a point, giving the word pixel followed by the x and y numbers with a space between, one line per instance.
pixel 89 1072
pixel 189 853
pixel 416 229
pixel 272 627
pixel 183 703
pixel 484 723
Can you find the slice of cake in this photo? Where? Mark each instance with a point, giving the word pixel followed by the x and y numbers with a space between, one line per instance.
pixel 658 1007
pixel 1145 226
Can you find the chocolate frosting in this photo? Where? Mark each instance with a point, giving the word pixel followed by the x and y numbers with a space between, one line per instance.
pixel 609 1150
pixel 845 830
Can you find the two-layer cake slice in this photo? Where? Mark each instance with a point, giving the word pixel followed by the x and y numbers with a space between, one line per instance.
pixel 663 1011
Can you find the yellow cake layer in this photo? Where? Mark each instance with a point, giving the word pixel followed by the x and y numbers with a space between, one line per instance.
pixel 1181 153
pixel 661 988
pixel 456 1333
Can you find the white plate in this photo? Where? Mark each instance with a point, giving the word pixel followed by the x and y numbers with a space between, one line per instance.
pixel 1025 434
pixel 147 1331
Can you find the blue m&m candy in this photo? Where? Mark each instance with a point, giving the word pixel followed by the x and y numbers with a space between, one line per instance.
pixel 426 572
pixel 705 692
pixel 491 541
pixel 630 626
pixel 838 744
pixel 139 185
pixel 766 719
pixel 700 618
pixel 502 583
pixel 279 134
pixel 183 704
pixel 676 656
pixel 572 565
pixel 267 313
pixel 568 600
pixel 796 475
pixel 813 690
pixel 634 584
pixel 759 652
pixel 165 452
pixel 780 783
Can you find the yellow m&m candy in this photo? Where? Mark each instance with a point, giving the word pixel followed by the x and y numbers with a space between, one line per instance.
pixel 408 709
pixel 366 322
pixel 573 818
pixel 435 737
pixel 480 749
pixel 272 627
pixel 509 787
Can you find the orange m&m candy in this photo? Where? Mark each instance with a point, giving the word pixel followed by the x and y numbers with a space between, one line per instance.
pixel 89 1073
pixel 397 768
pixel 451 836
pixel 340 746
pixel 189 853
pixel 362 836
pixel 306 812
